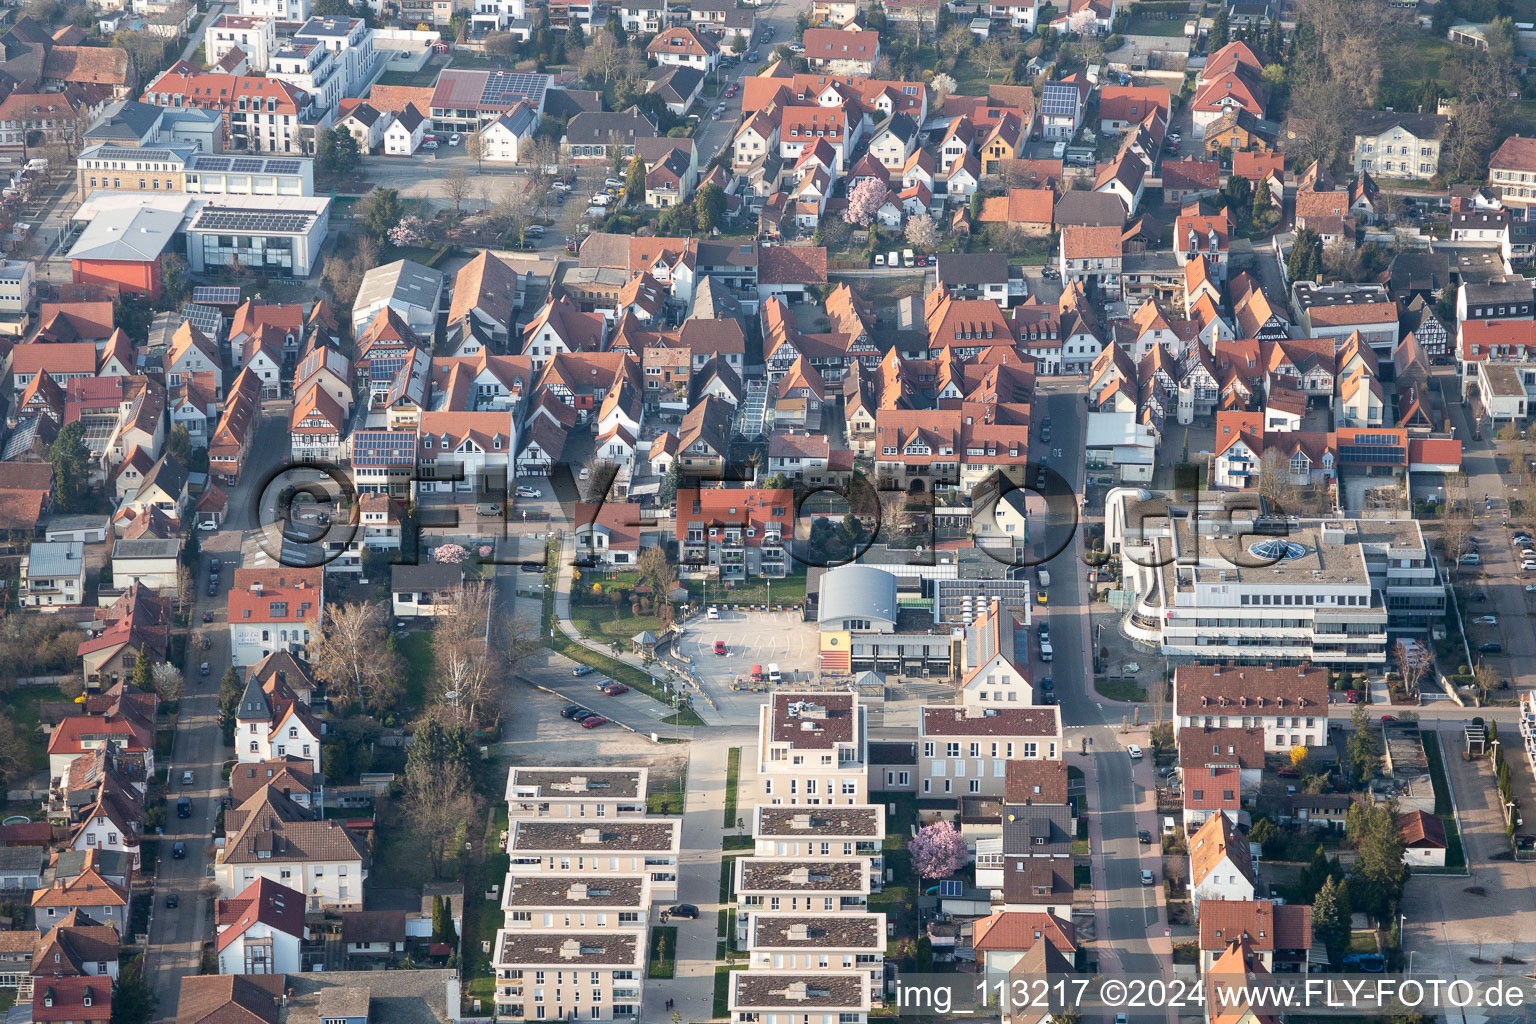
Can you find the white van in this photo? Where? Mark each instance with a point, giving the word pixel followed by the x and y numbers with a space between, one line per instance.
pixel 879 259
pixel 894 259
pixel 908 258
pixel 773 672
pixel 1046 652
pixel 1044 575
pixel 1059 150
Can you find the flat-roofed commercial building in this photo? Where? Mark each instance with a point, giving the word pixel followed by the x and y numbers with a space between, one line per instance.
pixel 279 235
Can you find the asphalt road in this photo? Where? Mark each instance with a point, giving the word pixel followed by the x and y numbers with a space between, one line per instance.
pixel 1132 911
pixel 176 936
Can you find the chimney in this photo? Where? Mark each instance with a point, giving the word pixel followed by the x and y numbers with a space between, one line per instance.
pixel 591 835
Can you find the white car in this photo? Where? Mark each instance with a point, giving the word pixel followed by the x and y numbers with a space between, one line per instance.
pixel 796 48
pixel 560 186
pixel 714 613
pixel 429 144
pixel 1529 565
pixel 1146 877
pixel 454 140
pixel 525 491
pixel 1530 588
pixel 1487 620
pixel 1134 751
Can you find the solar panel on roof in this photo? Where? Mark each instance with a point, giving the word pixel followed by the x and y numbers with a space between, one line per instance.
pixel 283 166
pixel 500 85
pixel 218 294
pixel 951 887
pixel 210 163
pixel 255 221
pixel 384 369
pixel 205 318
pixel 248 166
pixel 387 448
pixel 1059 100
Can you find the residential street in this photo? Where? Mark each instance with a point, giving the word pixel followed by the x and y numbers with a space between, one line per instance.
pixel 1129 917
pixel 176 936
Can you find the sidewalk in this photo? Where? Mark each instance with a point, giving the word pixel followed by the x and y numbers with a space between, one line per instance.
pixel 692 985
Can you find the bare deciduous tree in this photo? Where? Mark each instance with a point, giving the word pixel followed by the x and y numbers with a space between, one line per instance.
pixel 168 681
pixel 1275 485
pixel 1412 662
pixel 457 186
pixel 347 651
pixel 439 805
pixel 469 676
pixel 15 759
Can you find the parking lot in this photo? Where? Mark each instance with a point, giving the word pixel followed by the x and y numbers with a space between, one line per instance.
pixel 751 638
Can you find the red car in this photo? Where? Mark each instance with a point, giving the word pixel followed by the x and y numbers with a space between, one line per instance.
pixel 1388 718
pixel 1288 773
pixel 614 689
pixel 1352 696
pixel 592 721
pixel 730 92
pixel 719 646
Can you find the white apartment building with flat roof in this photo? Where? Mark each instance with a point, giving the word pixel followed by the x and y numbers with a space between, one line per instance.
pixel 593 850
pixel 537 792
pixel 813 749
pixel 570 975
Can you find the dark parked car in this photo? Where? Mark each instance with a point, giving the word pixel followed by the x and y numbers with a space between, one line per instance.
pixel 687 910
pixel 1288 773
pixel 172 901
pixel 530 567
pixel 1144 837
pixel 213 589
pixel 179 850
pixel 1490 648
pixel 571 710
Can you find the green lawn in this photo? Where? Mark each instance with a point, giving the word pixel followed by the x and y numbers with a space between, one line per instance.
pixel 666 795
pixel 22 704
pixel 736 843
pixel 416 649
pixel 732 775
pixel 1120 689
pixel 723 988
pixel 787 591
pixel 1455 855
pixel 481 920
pixel 1145 26
pixel 663 951
pixel 1363 942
